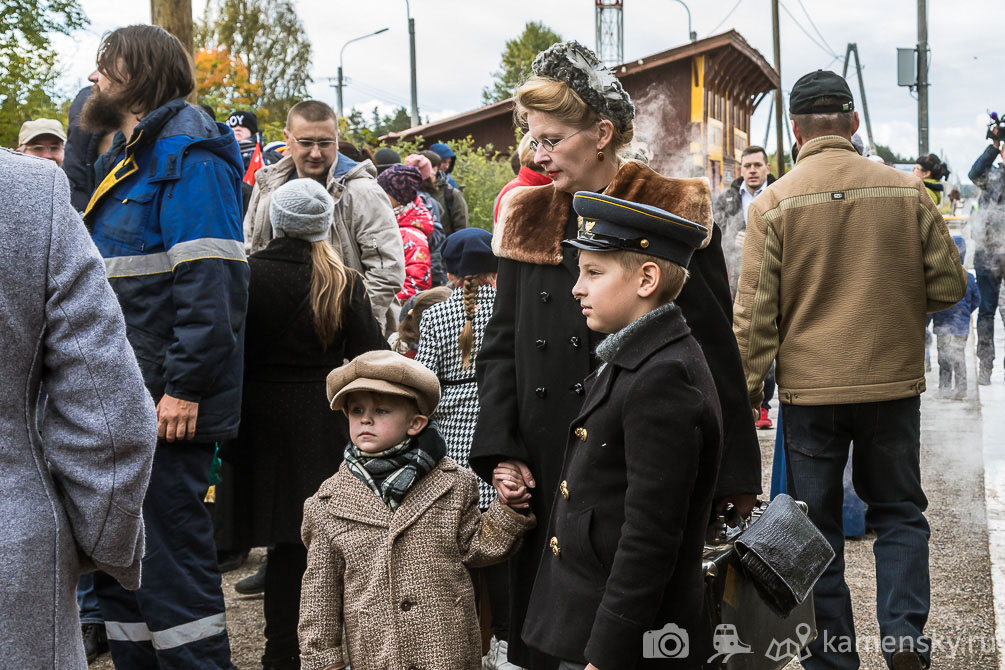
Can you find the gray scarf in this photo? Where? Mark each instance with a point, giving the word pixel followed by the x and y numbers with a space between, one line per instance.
pixel 612 344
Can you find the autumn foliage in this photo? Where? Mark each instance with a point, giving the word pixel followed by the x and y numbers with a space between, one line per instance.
pixel 223 81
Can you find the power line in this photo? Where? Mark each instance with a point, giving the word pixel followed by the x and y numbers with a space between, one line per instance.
pixel 829 52
pixel 390 98
pixel 725 18
pixel 814 26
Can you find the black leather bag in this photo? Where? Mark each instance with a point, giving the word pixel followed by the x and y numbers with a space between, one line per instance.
pixel 759 579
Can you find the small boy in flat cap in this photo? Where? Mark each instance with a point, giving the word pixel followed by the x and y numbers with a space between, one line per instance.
pixel 622 584
pixel 390 536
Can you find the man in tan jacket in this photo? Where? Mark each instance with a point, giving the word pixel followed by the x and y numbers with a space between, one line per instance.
pixel 364 231
pixel 842 260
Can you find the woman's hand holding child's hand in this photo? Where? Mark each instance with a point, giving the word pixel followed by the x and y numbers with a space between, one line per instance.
pixel 511 480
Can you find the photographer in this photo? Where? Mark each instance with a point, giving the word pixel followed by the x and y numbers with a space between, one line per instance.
pixel 988 229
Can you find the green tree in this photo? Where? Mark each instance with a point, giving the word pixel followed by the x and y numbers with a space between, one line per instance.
pixel 268 37
pixel 28 64
pixel 357 130
pixel 517 58
pixel 888 155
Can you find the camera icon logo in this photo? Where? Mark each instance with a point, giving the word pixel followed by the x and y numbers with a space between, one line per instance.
pixel 671 641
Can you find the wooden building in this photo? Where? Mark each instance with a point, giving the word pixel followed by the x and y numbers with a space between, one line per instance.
pixel 693 106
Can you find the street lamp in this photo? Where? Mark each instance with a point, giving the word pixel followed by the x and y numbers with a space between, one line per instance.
pixel 338 85
pixel 411 50
pixel 690 33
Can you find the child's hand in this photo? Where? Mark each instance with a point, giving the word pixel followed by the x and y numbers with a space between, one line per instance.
pixel 510 480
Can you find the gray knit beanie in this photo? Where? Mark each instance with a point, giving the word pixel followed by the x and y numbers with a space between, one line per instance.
pixel 302 209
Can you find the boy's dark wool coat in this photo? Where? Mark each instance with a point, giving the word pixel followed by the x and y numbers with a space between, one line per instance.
pixel 629 516
pixel 537 353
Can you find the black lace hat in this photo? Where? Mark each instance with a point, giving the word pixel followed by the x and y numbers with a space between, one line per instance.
pixel 577 66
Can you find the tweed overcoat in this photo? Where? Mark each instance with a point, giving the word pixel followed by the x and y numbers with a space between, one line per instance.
pixel 399 582
pixel 538 351
pixel 73 468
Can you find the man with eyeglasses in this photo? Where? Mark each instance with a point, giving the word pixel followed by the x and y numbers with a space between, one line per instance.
pixel 43 138
pixel 363 231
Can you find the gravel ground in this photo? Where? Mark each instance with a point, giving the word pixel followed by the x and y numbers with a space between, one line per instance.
pixel 961 623
pixel 962 619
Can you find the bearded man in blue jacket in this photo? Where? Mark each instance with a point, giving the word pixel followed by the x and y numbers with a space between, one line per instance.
pixel 166 217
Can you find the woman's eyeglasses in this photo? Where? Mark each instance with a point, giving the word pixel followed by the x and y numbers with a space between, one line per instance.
pixel 549 144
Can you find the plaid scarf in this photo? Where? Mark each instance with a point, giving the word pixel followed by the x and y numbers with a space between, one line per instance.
pixel 392 472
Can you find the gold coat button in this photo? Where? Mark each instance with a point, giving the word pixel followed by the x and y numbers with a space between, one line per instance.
pixel 581 433
pixel 564 487
pixel 555 549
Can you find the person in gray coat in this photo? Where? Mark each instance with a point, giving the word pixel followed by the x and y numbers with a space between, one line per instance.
pixel 77 426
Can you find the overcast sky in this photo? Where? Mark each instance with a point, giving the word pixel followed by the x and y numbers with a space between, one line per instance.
pixel 458 46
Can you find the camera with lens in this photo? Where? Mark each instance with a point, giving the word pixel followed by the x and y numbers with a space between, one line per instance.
pixel 998 123
pixel 671 641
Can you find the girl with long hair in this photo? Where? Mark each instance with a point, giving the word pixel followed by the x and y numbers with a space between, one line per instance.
pixel 307 313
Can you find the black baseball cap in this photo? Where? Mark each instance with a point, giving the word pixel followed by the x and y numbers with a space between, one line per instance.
pixel 820 84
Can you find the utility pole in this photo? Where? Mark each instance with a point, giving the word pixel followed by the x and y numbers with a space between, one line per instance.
pixel 339 82
pixel 922 77
pixel 411 51
pixel 779 150
pixel 853 48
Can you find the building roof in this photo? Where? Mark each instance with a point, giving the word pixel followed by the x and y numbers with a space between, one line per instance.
pixel 741 68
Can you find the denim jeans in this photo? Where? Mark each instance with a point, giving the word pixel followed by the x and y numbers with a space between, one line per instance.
pixel 990 270
pixel 887 475
pixel 87 600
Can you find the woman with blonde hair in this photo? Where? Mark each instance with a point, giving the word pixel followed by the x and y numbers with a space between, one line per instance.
pixel 307 313
pixel 538 351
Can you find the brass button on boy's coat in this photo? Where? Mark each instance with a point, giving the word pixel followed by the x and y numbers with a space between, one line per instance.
pixel 555 549
pixel 564 487
pixel 581 433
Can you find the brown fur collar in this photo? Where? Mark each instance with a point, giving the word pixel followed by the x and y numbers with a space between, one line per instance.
pixel 532 219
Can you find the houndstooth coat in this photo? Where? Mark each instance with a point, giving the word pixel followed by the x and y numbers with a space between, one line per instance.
pixel 457 413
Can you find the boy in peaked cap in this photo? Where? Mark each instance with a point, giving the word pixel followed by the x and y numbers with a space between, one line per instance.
pixel 390 536
pixel 622 584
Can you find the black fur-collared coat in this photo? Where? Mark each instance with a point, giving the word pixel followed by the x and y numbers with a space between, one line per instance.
pixel 537 352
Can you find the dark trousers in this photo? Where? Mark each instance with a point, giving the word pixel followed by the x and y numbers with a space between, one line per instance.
pixel 952 361
pixel 990 270
pixel 769 388
pixel 497 579
pixel 176 620
pixel 887 475
pixel 287 564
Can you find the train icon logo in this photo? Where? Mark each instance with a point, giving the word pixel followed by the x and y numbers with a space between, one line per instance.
pixel 789 648
pixel 727 643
